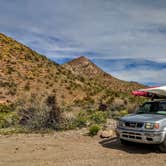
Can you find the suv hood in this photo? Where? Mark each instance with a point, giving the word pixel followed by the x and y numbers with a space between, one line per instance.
pixel 143 117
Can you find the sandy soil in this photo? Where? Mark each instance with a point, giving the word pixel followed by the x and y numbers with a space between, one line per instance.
pixel 72 148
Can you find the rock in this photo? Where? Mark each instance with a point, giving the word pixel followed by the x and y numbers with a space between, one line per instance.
pixel 16 148
pixel 111 123
pixel 107 133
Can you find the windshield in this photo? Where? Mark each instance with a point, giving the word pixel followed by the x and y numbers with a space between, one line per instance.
pixel 153 108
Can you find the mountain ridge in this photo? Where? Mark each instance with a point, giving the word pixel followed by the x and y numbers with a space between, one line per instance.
pixel 77 83
pixel 87 69
pixel 84 62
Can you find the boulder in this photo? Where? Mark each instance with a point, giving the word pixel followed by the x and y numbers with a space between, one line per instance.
pixel 107 134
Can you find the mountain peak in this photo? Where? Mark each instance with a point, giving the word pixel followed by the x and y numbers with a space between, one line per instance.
pixel 79 60
pixel 82 58
pixel 84 67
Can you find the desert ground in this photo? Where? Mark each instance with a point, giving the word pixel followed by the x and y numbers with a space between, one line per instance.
pixel 74 148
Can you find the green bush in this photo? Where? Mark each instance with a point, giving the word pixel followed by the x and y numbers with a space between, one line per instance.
pixel 7 116
pixel 82 119
pixel 98 117
pixel 89 117
pixel 3 123
pixel 8 119
pixel 123 112
pixel 93 130
pixel 6 108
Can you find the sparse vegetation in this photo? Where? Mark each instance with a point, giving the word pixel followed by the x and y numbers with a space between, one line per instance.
pixel 86 118
pixel 93 130
pixel 79 84
pixel 40 114
pixel 4 108
pixel 8 117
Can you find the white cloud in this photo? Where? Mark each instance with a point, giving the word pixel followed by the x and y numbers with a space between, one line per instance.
pixel 116 28
pixel 145 76
pixel 111 28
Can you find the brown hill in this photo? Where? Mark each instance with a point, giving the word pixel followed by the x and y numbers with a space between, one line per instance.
pixel 87 69
pixel 24 71
pixel 78 83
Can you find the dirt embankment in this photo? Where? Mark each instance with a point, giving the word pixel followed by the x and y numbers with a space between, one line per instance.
pixel 72 148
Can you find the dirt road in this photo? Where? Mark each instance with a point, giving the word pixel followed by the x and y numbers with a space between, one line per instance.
pixel 73 149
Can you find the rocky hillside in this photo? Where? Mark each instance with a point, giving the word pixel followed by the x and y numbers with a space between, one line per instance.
pixel 87 69
pixel 24 72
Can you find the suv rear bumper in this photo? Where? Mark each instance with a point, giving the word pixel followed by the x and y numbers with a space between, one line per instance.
pixel 140 136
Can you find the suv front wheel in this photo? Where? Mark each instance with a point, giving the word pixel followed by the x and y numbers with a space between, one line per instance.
pixel 162 146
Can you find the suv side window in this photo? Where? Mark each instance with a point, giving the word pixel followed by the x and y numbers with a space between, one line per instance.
pixel 162 106
pixel 150 107
pixel 146 107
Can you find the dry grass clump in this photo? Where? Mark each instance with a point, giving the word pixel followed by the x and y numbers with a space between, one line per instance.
pixel 38 113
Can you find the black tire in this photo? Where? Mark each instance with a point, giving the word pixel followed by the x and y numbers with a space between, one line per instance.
pixel 162 146
pixel 124 142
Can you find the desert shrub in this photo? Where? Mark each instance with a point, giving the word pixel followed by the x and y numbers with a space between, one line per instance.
pixel 54 113
pixel 123 112
pixel 5 108
pixel 10 70
pixel 8 116
pixel 82 79
pixel 103 107
pixel 117 105
pixel 12 91
pixel 98 117
pixel 78 102
pixel 28 56
pixel 115 114
pixel 68 121
pixel 3 123
pixel 82 119
pixel 90 111
pixel 86 118
pixel 132 99
pixel 27 86
pixel 40 114
pixel 12 87
pixel 93 130
pixel 8 119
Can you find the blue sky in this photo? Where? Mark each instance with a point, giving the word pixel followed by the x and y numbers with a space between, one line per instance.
pixel 127 38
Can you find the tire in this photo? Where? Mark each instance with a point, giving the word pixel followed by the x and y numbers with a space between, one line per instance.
pixel 162 146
